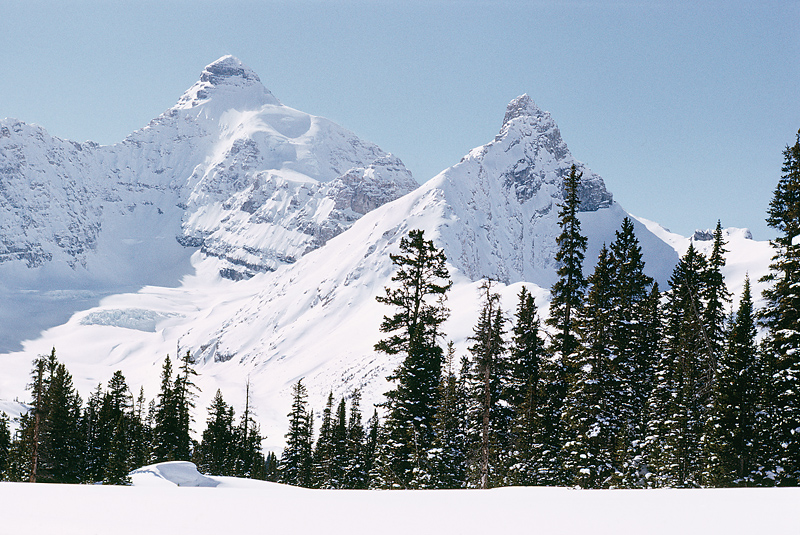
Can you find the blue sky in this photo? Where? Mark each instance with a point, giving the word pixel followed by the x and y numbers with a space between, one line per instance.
pixel 682 107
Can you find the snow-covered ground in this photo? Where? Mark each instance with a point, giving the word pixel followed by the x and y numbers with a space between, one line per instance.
pixel 156 505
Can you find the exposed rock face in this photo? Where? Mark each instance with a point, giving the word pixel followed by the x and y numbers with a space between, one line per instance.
pixel 545 157
pixel 509 190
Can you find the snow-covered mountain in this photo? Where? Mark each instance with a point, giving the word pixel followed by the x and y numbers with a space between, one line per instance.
pixel 289 221
pixel 228 170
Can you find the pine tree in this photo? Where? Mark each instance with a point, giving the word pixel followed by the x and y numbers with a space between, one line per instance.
pixel 61 435
pixel 33 429
pixel 95 456
pixel 732 423
pixel 372 461
pixel 118 467
pixel 634 313
pixel 450 455
pixel 525 392
pixel 114 418
pixel 18 467
pixel 355 469
pixel 567 292
pixel 637 472
pixel 781 317
pixel 323 451
pixel 684 381
pixel 5 445
pixel 216 454
pixel 716 295
pixel 339 446
pixel 295 465
pixel 566 300
pixel 50 445
pixel 185 392
pixel 593 423
pixel 166 428
pixel 249 460
pixel 492 416
pixel 139 434
pixel 271 467
pixel 414 331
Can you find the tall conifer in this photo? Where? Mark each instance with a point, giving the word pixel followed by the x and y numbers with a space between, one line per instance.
pixel 413 332
pixel 781 316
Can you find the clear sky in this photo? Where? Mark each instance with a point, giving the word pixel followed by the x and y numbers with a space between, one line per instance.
pixel 683 107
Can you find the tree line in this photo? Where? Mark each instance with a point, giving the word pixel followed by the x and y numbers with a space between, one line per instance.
pixel 62 440
pixel 628 387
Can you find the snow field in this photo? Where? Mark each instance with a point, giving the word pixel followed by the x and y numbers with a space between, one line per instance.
pixel 156 505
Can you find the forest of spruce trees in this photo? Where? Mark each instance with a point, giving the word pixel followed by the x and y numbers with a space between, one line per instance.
pixel 625 386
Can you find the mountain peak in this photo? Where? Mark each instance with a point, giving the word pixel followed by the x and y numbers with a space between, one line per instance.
pixel 522 106
pixel 228 75
pixel 225 68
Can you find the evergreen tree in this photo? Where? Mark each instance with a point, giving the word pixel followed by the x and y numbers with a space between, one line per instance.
pixel 684 381
pixel 593 423
pixel 781 317
pixel 249 459
pixel 567 292
pixel 216 454
pixel 413 332
pixel 50 443
pixel 371 453
pixel 185 392
pixel 450 457
pixel 732 423
pixel 525 393
pixel 637 472
pixel 112 425
pixel 61 436
pixel 139 434
pixel 355 468
pixel 32 427
pixel 716 295
pixel 95 456
pixel 566 300
pixel 323 476
pixel 5 445
pixel 492 417
pixel 633 346
pixel 118 467
pixel 296 462
pixel 166 428
pixel 271 467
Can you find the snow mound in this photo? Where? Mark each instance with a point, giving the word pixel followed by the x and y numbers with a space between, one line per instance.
pixel 178 473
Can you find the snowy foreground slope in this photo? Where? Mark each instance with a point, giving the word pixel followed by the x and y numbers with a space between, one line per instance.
pixel 156 505
pixel 495 215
